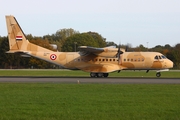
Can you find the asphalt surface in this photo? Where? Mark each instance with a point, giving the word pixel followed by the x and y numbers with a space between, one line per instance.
pixel 90 80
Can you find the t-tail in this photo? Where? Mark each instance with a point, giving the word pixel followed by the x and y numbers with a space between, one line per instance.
pixel 17 39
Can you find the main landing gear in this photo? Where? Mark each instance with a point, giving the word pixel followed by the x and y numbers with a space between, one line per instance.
pixel 99 74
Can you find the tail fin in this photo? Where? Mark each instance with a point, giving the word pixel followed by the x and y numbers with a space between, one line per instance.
pixel 17 39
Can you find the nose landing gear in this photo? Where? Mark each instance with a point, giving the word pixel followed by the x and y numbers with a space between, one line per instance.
pixel 158 74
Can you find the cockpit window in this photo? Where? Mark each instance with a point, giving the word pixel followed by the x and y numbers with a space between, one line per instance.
pixel 163 57
pixel 156 57
pixel 160 57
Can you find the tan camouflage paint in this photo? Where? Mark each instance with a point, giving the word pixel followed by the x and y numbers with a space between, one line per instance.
pixel 97 62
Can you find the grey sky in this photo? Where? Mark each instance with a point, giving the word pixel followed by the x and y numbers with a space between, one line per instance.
pixel 121 21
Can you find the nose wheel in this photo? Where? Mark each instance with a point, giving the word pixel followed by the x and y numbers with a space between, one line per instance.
pixel 158 74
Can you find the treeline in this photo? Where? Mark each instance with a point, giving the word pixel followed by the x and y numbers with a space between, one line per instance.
pixel 69 40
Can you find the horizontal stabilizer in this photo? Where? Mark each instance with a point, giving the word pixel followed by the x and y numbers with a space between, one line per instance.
pixel 17 51
pixel 25 55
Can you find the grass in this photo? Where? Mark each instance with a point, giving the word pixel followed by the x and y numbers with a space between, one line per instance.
pixel 78 73
pixel 48 101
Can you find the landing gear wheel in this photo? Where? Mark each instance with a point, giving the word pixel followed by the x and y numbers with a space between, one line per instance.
pixel 99 74
pixel 93 74
pixel 105 74
pixel 158 74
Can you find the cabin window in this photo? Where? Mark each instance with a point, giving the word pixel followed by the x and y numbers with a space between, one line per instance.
pixel 142 59
pixel 124 59
pixel 99 59
pixel 110 59
pixel 138 59
pixel 78 59
pixel 106 59
pixel 160 57
pixel 113 59
pixel 127 59
pixel 131 59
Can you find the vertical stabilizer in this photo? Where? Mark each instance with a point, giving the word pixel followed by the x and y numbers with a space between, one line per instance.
pixel 17 39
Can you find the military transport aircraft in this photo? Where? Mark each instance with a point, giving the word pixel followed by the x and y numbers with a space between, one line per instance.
pixel 99 62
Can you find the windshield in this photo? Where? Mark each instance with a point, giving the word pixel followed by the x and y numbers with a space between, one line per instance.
pixel 159 57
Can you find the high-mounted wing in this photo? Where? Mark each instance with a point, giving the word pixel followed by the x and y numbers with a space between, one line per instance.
pixel 110 51
pixel 91 49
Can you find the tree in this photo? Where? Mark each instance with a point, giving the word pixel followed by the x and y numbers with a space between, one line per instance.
pixel 42 43
pixel 167 46
pixel 60 37
pixel 174 55
pixel 9 60
pixel 111 44
pixel 98 38
pixel 140 48
pixel 83 39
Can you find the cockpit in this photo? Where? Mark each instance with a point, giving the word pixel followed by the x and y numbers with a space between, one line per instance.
pixel 159 57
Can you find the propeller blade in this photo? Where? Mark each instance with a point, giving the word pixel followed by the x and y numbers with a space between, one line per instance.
pixel 126 50
pixel 119 52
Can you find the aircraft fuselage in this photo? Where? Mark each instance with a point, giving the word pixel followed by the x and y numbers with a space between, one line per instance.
pixel 128 60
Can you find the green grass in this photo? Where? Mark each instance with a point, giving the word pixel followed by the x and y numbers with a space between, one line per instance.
pixel 48 101
pixel 78 73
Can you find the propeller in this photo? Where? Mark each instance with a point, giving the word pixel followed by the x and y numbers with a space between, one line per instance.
pixel 126 50
pixel 119 52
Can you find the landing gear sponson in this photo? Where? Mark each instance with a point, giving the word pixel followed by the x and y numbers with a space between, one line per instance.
pixel 99 74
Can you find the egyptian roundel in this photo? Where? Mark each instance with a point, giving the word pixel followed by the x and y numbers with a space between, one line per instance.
pixel 53 57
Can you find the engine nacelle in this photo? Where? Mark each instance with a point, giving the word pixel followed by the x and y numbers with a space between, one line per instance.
pixel 54 46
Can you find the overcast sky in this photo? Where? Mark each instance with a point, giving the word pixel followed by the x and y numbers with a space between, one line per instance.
pixel 146 22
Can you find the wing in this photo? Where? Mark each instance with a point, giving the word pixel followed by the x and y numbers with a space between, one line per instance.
pixel 110 51
pixel 91 49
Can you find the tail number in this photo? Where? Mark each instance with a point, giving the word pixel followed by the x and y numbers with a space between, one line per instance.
pixel 53 56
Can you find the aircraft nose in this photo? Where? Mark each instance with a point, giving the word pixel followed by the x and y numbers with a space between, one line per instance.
pixel 170 64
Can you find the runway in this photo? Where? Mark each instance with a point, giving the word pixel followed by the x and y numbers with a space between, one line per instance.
pixel 85 80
